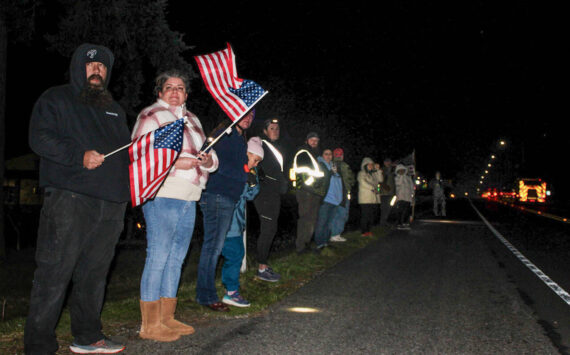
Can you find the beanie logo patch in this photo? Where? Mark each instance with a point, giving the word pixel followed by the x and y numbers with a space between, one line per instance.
pixel 92 53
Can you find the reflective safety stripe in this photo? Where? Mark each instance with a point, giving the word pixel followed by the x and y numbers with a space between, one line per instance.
pixel 315 172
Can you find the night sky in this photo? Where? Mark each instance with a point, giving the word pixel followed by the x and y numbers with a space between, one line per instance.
pixel 448 79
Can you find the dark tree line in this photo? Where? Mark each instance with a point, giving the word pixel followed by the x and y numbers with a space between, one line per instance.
pixel 137 32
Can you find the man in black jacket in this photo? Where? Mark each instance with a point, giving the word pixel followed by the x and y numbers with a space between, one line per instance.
pixel 71 128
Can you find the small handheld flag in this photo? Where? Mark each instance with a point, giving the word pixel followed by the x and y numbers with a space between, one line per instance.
pixel 234 95
pixel 152 155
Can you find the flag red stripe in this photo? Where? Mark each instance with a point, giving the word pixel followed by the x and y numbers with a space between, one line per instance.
pixel 219 73
pixel 212 74
pixel 149 166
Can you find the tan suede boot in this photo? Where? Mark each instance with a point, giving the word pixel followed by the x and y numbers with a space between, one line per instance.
pixel 151 327
pixel 167 308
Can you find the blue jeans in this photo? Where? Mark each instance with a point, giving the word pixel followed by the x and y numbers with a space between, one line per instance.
pixel 232 252
pixel 339 219
pixel 169 228
pixel 218 212
pixel 324 221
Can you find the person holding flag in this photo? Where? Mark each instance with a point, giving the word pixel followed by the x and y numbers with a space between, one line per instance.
pixel 85 195
pixel 170 216
pixel 218 201
pixel 236 97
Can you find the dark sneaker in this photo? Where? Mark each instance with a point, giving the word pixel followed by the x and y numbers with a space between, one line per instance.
pixel 268 275
pixel 103 346
pixel 235 300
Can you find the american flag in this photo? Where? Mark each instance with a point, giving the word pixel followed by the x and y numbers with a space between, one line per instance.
pixel 234 95
pixel 152 155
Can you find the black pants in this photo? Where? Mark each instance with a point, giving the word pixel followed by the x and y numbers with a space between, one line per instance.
pixel 403 209
pixel 368 212
pixel 385 208
pixel 76 242
pixel 268 205
pixel 308 211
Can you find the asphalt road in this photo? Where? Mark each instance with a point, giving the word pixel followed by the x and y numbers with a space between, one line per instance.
pixel 437 289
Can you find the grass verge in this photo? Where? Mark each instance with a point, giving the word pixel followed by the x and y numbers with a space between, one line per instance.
pixel 121 314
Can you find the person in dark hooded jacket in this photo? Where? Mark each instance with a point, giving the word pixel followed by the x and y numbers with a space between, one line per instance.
pixel 85 195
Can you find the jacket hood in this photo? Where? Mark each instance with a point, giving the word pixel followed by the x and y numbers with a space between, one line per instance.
pixel 400 167
pixel 322 160
pixel 84 54
pixel 365 162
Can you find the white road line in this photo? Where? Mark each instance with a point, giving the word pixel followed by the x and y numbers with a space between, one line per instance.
pixel 553 285
pixel 448 221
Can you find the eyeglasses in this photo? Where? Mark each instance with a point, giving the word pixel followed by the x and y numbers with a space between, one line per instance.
pixel 181 89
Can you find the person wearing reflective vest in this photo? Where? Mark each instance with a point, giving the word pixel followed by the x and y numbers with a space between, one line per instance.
pixel 273 184
pixel 311 181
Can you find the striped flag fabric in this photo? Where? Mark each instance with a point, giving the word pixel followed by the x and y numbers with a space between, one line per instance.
pixel 234 95
pixel 152 156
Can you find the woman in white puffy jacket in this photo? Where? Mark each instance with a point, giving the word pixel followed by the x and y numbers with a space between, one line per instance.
pixel 405 196
pixel 369 176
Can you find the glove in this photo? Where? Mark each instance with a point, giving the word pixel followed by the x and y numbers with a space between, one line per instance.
pixel 252 178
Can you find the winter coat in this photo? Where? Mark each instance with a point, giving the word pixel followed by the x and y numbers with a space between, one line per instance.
pixel 404 185
pixel 228 180
pixel 368 183
pixel 272 168
pixel 335 194
pixel 388 186
pixel 320 185
pixel 250 190
pixel 348 178
pixel 438 187
pixel 63 128
pixel 161 113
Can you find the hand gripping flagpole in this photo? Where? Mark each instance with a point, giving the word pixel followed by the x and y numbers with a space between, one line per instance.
pixel 229 129
pixel 118 150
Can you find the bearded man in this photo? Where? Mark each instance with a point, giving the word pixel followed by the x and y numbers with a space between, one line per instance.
pixel 312 185
pixel 85 196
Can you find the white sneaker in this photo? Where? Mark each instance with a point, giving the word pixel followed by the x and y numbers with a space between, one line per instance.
pixel 337 238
